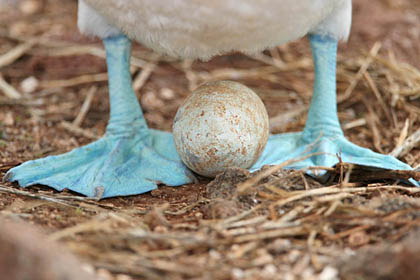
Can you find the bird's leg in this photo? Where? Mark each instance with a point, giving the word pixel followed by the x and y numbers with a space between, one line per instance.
pixel 322 134
pixel 126 116
pixel 129 159
pixel 322 116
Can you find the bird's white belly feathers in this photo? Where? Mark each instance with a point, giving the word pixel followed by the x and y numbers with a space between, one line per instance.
pixel 203 28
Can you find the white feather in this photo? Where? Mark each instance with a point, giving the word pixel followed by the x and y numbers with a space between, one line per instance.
pixel 202 29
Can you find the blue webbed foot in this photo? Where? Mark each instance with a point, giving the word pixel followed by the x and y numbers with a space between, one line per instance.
pixel 111 166
pixel 322 134
pixel 327 150
pixel 129 159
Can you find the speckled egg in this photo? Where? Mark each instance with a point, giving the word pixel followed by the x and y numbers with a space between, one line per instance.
pixel 221 124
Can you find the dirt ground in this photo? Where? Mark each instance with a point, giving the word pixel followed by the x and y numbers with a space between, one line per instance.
pixel 275 224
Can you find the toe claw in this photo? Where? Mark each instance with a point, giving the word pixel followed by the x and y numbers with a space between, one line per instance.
pixel 98 192
pixel 8 177
pixel 414 182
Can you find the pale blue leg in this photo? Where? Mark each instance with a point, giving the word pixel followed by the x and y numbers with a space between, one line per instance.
pixel 322 132
pixel 129 159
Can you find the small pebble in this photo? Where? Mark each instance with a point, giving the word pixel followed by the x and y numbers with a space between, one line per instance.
pixel 29 84
pixel 329 273
pixel 104 274
pixel 30 7
pixel 238 273
pixel 150 101
pixel 270 270
pixel 167 94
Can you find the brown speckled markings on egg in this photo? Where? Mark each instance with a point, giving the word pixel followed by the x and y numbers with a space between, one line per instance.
pixel 221 124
